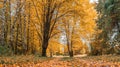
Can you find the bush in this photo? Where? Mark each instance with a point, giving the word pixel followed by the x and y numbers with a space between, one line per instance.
pixel 5 51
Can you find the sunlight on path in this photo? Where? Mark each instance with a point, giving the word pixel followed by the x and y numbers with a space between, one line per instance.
pixel 68 56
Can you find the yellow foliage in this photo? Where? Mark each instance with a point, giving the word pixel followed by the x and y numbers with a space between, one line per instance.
pixel 75 18
pixel 55 47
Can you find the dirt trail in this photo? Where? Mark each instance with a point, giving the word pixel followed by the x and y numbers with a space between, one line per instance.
pixel 63 61
pixel 84 55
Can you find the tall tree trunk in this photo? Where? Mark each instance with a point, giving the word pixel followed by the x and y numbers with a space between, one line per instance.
pixel 16 42
pixel 69 40
pixel 70 51
pixel 44 47
pixel 24 30
pixel 6 23
pixel 3 22
pixel 28 30
pixel 10 32
pixel 44 51
pixel 46 31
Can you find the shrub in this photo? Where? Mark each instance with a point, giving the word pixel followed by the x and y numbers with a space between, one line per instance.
pixel 5 51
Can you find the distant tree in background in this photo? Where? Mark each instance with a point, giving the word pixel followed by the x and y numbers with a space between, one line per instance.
pixel 108 23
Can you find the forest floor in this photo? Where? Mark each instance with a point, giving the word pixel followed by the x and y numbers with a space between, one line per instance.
pixel 35 61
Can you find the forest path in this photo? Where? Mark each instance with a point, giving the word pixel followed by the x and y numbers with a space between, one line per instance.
pixel 60 61
pixel 61 56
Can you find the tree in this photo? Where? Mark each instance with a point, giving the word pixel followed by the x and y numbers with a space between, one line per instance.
pixel 108 21
pixel 51 12
pixel 15 26
pixel 79 25
pixel 26 31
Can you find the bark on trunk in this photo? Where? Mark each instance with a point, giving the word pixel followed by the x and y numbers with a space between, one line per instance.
pixel 44 47
pixel 71 53
pixel 44 52
pixel 44 44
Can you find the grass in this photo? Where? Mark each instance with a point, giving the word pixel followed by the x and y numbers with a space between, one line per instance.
pixel 22 59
